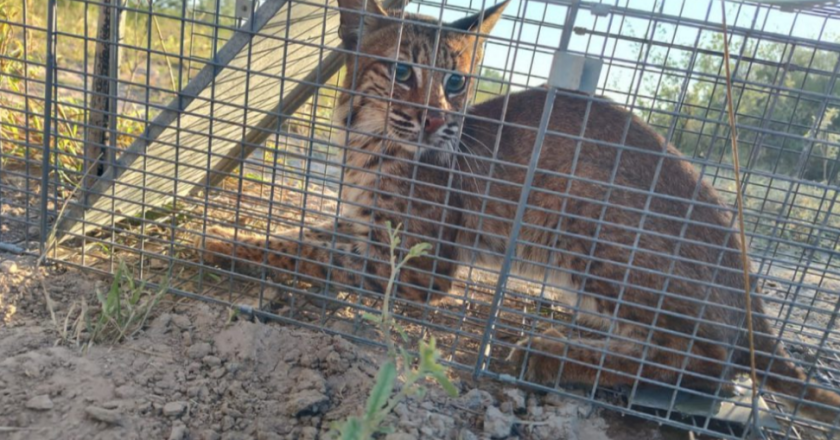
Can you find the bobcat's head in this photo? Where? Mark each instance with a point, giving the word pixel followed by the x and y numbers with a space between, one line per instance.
pixel 409 76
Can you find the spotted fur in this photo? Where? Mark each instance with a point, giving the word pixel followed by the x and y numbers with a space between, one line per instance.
pixel 631 236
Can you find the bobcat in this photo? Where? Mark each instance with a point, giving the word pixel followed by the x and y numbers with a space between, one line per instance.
pixel 626 234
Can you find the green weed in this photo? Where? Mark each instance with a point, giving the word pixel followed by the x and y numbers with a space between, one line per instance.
pixel 122 310
pixel 413 368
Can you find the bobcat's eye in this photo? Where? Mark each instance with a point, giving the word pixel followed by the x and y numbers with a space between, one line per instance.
pixel 402 72
pixel 455 83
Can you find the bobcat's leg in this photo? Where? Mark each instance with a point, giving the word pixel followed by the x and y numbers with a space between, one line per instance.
pixel 359 257
pixel 621 362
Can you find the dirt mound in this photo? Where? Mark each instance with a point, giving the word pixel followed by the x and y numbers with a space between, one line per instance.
pixel 195 373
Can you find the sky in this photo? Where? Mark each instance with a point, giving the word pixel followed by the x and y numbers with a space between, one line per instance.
pixel 537 42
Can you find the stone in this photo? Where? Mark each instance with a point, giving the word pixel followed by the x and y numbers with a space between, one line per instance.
pixel 497 424
pixel 306 403
pixel 308 433
pixel 175 409
pixel 40 403
pixel 181 321
pixel 227 423
pixel 506 407
pixel 400 436
pixel 208 434
pixel 178 432
pixel 218 373
pixel 199 350
pixel 9 267
pixel 211 361
pixel 160 325
pixel 109 416
pixel 466 434
pixel 516 397
pixel 476 399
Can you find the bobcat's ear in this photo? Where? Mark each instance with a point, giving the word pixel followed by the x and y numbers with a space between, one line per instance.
pixel 475 23
pixel 368 12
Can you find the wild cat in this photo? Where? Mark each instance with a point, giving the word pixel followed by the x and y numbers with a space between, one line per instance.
pixel 604 225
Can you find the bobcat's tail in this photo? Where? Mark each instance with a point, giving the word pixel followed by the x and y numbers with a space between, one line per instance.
pixel 224 248
pixel 788 379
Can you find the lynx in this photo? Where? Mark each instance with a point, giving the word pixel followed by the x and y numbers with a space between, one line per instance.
pixel 630 235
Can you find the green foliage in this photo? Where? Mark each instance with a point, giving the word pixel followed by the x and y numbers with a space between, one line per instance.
pixel 701 129
pixel 414 369
pixel 122 310
pixel 491 84
pixel 802 152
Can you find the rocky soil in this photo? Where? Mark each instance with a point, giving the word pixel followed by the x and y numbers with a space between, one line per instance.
pixel 196 373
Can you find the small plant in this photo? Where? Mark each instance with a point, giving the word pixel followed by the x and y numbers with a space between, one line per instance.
pixel 123 309
pixel 380 403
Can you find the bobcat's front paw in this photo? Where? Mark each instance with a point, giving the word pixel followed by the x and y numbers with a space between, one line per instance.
pixel 541 368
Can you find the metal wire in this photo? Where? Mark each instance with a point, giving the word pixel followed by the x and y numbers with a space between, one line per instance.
pixel 201 135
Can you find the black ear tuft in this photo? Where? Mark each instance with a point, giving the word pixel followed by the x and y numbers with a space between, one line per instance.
pixel 357 12
pixel 475 23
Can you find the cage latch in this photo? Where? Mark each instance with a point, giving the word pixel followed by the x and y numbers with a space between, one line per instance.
pixel 243 9
pixel 571 71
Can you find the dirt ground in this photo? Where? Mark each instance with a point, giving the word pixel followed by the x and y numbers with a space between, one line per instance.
pixel 196 373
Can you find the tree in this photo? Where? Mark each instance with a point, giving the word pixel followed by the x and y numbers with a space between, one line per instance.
pixel 490 85
pixel 792 125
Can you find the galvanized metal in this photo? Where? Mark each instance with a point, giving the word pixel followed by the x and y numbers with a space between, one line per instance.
pixel 230 126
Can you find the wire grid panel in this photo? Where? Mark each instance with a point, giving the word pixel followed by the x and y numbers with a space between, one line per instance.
pixel 22 104
pixel 204 136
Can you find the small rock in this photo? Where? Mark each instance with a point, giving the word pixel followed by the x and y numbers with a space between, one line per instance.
pixel 181 322
pixel 211 361
pixel 516 397
pixel 199 350
pixel 175 409
pixel 440 423
pixel 111 404
pixel 8 267
pixel 400 436
pixel 157 263
pixel 22 419
pixel 233 367
pixel 109 416
pixel 496 423
pixel 178 432
pixel 160 325
pixel 466 434
pixel 306 403
pixel 308 433
pixel 208 434
pixel 34 231
pixel 40 403
pixel 125 392
pixel 557 400
pixel 476 399
pixel 218 373
pixel 227 423
pixel 506 407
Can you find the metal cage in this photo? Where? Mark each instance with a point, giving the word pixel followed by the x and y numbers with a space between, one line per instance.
pixel 131 128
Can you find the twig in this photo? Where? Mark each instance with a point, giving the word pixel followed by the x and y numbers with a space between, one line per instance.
pixel 745 261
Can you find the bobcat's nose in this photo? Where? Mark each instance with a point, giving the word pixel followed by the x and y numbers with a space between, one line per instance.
pixel 434 120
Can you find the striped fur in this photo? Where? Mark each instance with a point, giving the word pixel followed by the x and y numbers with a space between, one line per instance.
pixel 457 188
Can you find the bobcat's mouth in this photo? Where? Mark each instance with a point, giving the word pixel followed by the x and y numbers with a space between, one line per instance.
pixel 444 138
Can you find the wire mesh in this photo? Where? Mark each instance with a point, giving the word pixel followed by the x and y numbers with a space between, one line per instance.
pixel 218 120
